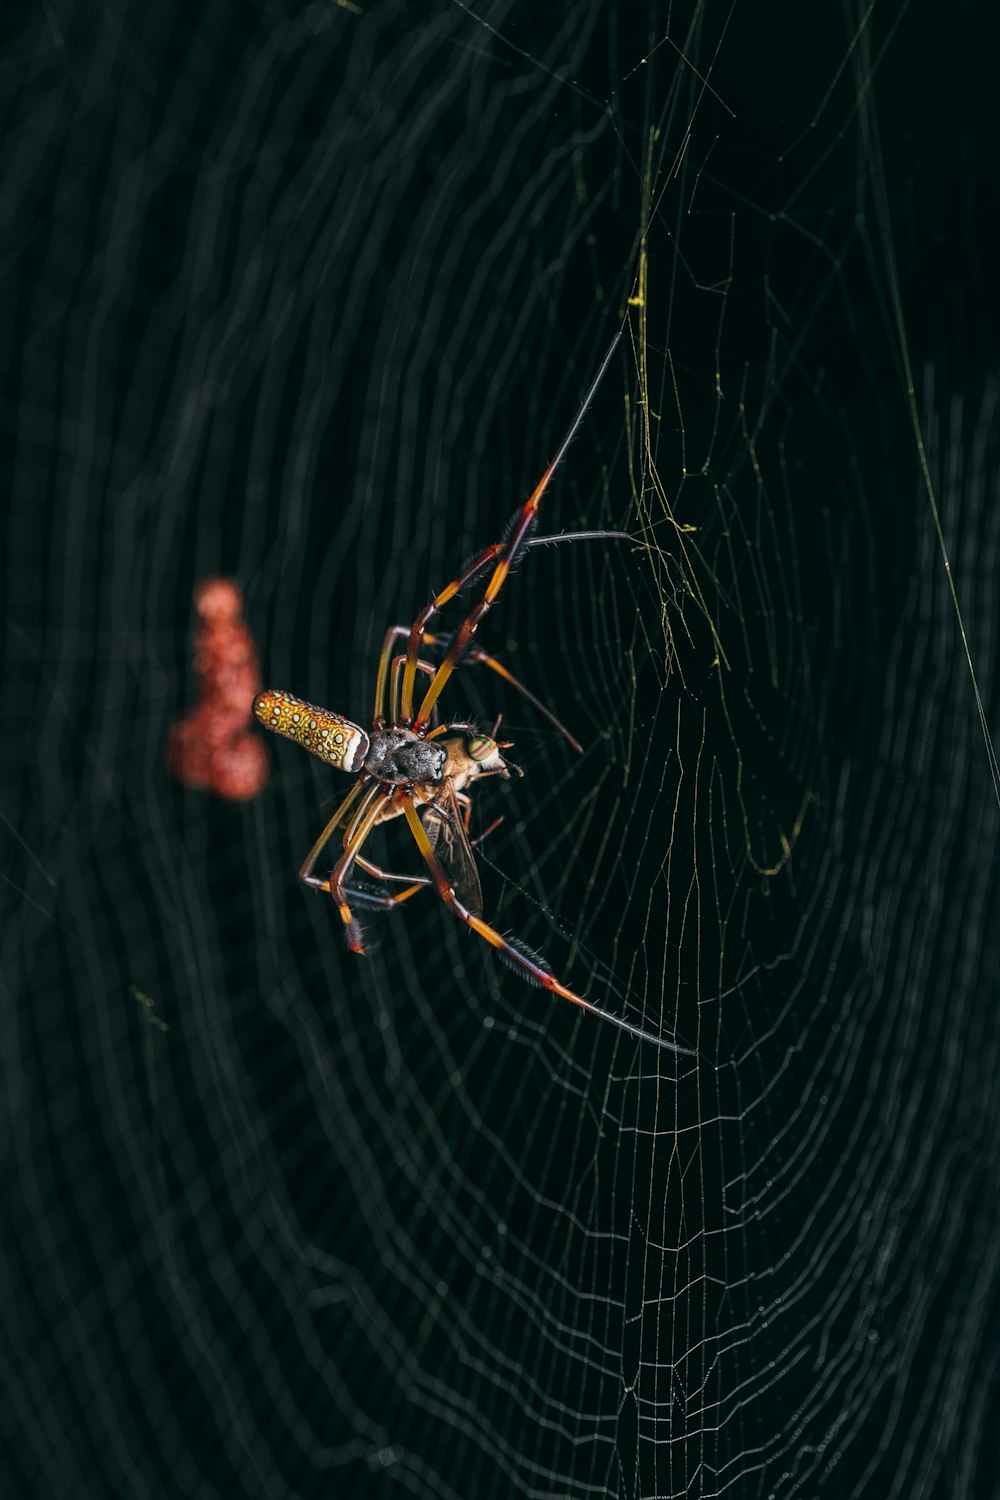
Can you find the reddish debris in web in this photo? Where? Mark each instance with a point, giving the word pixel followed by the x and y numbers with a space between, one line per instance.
pixel 213 749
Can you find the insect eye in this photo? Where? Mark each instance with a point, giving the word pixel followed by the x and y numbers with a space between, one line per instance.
pixel 480 746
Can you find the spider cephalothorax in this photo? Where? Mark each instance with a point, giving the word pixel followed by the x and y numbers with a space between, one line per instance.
pixel 398 757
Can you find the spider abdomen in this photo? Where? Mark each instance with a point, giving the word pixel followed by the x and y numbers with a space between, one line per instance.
pixel 327 735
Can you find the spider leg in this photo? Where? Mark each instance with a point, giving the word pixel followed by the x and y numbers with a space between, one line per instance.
pixel 478 655
pixel 398 667
pixel 478 563
pixel 382 676
pixel 414 883
pixel 508 551
pixel 531 965
pixel 382 679
pixel 524 522
pixel 309 863
pixel 533 969
pixel 481 658
pixel 360 827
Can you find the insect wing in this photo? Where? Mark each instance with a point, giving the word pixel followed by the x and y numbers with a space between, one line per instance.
pixel 445 829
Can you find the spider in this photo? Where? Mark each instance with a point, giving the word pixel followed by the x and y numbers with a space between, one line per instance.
pixel 409 766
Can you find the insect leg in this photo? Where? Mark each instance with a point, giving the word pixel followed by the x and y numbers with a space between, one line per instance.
pixel 374 898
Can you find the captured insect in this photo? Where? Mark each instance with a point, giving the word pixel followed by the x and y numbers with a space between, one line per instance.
pixel 409 766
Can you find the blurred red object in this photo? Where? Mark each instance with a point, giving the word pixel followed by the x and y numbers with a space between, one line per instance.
pixel 213 749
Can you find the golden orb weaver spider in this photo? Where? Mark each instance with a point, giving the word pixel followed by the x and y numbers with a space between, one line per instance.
pixel 405 767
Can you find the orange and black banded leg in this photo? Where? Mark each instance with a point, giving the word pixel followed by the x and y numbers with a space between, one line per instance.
pixel 523 525
pixel 356 794
pixel 530 965
pixel 509 550
pixel 520 957
pixel 478 563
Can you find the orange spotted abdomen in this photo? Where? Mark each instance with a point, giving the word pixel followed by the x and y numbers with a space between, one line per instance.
pixel 327 735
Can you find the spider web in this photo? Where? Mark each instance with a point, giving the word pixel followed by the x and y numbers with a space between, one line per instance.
pixel 306 295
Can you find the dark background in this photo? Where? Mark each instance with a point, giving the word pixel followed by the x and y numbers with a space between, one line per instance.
pixel 307 295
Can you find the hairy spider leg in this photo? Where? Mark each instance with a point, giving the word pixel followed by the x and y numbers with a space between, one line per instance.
pixel 534 969
pixel 339 817
pixel 414 883
pixel 463 636
pixel 509 551
pixel 481 658
pixel 382 677
pixel 366 817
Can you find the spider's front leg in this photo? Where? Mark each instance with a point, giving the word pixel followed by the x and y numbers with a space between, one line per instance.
pixel 417 629
pixel 475 654
pixel 505 553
